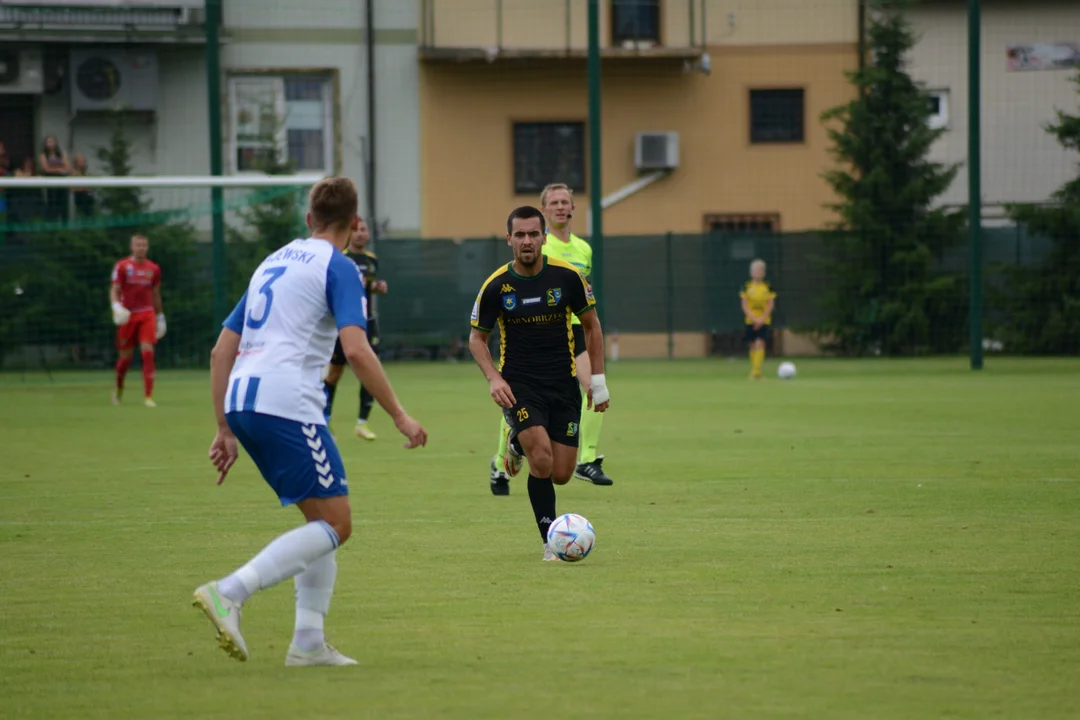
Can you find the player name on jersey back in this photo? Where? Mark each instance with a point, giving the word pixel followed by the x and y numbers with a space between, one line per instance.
pixel 296 302
pixel 291 254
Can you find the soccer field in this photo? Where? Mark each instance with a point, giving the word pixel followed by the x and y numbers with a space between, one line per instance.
pixel 886 539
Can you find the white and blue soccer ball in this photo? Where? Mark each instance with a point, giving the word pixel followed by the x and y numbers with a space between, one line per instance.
pixel 786 370
pixel 571 537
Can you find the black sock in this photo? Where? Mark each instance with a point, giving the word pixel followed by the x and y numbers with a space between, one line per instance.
pixel 542 497
pixel 366 403
pixel 329 389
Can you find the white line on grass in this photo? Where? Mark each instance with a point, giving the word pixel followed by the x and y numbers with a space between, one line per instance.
pixel 390 521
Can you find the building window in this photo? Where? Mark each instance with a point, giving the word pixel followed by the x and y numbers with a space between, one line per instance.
pixel 938 101
pixel 776 116
pixel 547 152
pixel 742 223
pixel 635 20
pixel 288 118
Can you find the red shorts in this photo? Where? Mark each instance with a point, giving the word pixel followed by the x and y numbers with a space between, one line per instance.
pixel 141 327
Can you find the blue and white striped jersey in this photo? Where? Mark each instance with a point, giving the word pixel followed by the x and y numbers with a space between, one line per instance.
pixel 288 320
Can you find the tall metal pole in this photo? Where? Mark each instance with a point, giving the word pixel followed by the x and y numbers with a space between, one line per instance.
pixel 975 185
pixel 213 97
pixel 369 40
pixel 596 187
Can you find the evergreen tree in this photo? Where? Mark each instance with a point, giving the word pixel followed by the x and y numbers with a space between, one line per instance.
pixel 274 218
pixel 886 294
pixel 1041 305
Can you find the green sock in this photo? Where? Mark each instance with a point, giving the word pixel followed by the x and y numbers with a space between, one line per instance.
pixel 503 435
pixel 588 432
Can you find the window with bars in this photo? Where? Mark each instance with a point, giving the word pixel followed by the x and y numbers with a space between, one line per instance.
pixel 547 152
pixel 743 223
pixel 777 116
pixel 635 20
pixel 287 117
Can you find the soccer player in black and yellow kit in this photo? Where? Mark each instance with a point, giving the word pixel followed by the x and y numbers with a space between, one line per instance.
pixel 532 300
pixel 758 300
pixel 557 204
pixel 369 266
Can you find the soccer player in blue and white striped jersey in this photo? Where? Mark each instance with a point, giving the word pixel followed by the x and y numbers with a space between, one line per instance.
pixel 266 381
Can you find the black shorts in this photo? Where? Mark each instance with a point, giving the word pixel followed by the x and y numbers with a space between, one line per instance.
pixel 579 339
pixel 762 333
pixel 554 406
pixel 338 358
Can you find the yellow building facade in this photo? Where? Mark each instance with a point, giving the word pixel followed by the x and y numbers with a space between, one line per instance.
pixel 504 108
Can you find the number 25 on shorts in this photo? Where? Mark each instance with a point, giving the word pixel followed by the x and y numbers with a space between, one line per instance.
pixel 522 414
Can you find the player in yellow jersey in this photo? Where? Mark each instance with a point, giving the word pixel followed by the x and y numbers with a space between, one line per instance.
pixel 758 300
pixel 557 204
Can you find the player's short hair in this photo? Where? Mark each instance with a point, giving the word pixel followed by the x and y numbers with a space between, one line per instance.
pixel 334 203
pixel 552 187
pixel 756 262
pixel 525 212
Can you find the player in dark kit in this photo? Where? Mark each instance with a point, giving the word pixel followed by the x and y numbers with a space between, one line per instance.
pixel 369 266
pixel 532 300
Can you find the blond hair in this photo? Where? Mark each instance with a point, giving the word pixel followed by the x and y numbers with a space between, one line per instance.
pixel 757 263
pixel 552 187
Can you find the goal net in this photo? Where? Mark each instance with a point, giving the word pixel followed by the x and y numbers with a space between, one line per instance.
pixel 60 237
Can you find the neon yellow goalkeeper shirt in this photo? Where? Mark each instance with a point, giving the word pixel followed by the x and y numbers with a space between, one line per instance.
pixel 577 252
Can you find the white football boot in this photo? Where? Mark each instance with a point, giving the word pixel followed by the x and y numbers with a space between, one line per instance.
pixel 326 655
pixel 224 614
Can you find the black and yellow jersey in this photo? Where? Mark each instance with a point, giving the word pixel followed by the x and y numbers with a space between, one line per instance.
pixel 533 315
pixel 757 294
pixel 369 265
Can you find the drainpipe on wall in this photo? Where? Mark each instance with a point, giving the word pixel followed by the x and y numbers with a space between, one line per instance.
pixel 862 35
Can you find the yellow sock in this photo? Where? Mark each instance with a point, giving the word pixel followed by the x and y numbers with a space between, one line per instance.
pixel 757 359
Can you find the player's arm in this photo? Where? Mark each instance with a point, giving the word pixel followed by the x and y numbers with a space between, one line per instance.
pixel 365 364
pixel 222 359
pixel 377 287
pixel 485 314
pixel 223 449
pixel 345 297
pixel 583 304
pixel 769 307
pixel 747 311
pixel 120 313
pixel 158 309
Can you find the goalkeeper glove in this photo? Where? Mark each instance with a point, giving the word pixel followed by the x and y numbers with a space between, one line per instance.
pixel 599 389
pixel 120 314
pixel 160 325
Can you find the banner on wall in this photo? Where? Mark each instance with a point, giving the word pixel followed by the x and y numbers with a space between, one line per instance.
pixel 1043 56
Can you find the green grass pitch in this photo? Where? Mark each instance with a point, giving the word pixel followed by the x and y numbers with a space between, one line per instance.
pixel 874 539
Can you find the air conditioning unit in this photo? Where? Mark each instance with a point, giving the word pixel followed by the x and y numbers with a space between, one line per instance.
pixel 656 150
pixel 22 71
pixel 114 79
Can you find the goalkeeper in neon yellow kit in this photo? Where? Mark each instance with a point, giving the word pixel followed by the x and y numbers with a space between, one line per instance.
pixel 557 204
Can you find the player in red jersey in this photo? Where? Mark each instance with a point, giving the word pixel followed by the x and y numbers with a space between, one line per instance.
pixel 136 305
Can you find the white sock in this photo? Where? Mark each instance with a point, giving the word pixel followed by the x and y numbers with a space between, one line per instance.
pixel 285 557
pixel 314 588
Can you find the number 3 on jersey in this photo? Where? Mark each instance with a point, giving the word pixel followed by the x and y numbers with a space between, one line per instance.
pixel 274 273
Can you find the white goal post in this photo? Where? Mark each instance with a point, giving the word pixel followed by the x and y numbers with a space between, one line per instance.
pixel 149 182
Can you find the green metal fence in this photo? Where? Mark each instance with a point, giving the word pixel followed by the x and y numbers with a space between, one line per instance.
pixel 653 284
